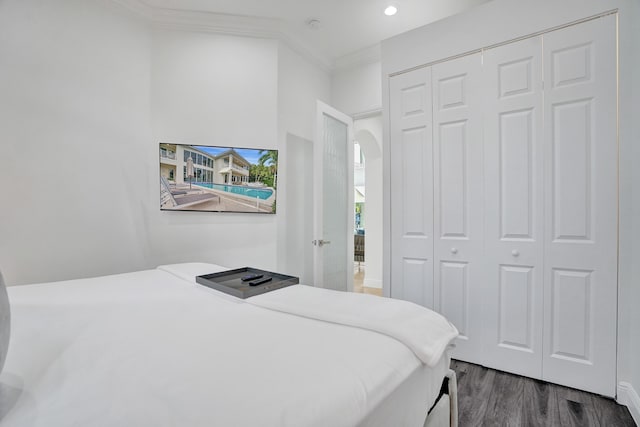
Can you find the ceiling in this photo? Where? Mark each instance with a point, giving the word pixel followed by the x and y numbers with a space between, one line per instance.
pixel 346 26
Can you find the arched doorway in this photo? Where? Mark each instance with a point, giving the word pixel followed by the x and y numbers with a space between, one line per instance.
pixel 369 145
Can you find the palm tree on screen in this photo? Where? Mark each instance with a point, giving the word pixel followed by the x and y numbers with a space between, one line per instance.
pixel 269 160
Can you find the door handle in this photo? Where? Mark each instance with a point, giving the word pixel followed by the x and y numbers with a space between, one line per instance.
pixel 320 242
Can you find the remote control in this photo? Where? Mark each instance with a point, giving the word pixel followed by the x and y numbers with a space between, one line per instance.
pixel 251 277
pixel 260 282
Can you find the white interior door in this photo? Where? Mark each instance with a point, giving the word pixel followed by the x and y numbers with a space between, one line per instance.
pixel 581 211
pixel 333 199
pixel 412 187
pixel 514 207
pixel 458 202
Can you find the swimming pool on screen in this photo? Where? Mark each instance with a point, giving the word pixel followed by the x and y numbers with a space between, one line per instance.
pixel 260 193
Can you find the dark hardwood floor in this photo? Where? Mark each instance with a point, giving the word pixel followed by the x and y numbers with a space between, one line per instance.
pixel 492 398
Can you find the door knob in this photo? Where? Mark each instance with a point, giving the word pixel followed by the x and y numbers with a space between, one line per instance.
pixel 515 252
pixel 320 242
pixel 454 250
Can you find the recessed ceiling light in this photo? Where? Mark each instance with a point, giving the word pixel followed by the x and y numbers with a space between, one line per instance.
pixel 313 23
pixel 391 10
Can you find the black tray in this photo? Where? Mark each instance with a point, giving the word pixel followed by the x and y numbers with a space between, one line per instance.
pixel 230 282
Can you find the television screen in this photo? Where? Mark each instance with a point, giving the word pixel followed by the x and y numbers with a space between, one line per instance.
pixel 217 179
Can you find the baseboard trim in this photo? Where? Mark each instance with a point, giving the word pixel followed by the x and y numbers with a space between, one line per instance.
pixel 372 283
pixel 629 397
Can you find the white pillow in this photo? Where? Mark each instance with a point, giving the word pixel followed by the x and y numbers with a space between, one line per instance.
pixel 5 322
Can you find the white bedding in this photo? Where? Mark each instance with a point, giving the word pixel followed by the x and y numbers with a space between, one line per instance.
pixel 153 349
pixel 425 332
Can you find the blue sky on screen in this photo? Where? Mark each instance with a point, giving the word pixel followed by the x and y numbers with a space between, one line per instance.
pixel 250 154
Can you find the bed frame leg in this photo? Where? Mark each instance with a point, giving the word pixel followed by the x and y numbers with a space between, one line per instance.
pixel 453 397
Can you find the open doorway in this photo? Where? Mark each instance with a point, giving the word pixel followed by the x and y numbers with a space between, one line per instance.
pixel 368 206
pixel 296 206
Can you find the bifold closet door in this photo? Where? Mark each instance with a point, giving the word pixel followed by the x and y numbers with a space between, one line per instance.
pixel 458 228
pixel 582 206
pixel 411 187
pixel 514 207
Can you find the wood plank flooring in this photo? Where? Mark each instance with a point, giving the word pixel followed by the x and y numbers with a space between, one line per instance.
pixel 358 281
pixel 492 398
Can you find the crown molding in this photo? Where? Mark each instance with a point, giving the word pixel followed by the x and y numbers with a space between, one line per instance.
pixel 137 7
pixel 366 114
pixel 233 25
pixel 236 25
pixel 214 23
pixel 366 56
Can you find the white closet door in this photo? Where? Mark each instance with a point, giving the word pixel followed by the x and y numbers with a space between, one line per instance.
pixel 582 207
pixel 514 207
pixel 458 242
pixel 411 187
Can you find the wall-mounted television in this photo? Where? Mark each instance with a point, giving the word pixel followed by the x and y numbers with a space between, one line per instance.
pixel 209 178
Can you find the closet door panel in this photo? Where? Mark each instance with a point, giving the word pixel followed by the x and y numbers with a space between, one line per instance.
pixel 513 207
pixel 452 148
pixel 571 188
pixel 458 233
pixel 516 170
pixel 515 321
pixel 582 206
pixel 412 187
pixel 454 299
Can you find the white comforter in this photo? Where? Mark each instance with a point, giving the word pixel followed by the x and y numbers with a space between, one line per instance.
pixel 150 349
pixel 425 332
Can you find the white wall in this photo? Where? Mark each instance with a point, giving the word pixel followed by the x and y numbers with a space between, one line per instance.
pixel 501 20
pixel 212 89
pixel 300 84
pixel 88 91
pixel 357 89
pixel 74 134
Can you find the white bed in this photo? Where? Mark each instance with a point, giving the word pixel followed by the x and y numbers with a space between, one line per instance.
pixel 153 348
